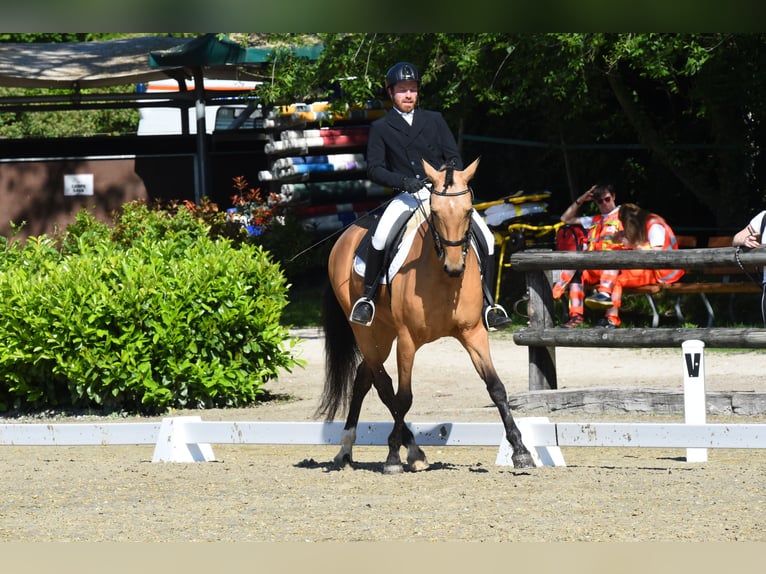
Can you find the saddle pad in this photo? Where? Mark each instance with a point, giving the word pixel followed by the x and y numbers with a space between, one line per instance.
pixel 401 250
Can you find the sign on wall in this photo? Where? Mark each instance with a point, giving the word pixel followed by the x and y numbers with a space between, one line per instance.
pixel 78 184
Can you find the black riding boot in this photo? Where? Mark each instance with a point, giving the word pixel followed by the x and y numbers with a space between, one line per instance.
pixel 363 310
pixel 495 316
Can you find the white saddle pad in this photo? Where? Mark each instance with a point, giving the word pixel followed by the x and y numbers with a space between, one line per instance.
pixel 402 250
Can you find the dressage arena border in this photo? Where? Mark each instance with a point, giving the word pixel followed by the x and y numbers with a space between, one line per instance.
pixel 189 438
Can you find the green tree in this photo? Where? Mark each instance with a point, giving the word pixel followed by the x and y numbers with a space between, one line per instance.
pixel 692 101
pixel 691 106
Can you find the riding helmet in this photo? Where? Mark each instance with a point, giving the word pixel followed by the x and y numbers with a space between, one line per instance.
pixel 402 72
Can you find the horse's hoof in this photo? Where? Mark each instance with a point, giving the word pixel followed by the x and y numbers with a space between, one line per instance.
pixel 417 460
pixel 392 469
pixel 523 460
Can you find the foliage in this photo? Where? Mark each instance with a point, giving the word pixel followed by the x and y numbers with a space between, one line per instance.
pixel 673 119
pixel 266 220
pixel 149 314
pixel 52 37
pixel 67 123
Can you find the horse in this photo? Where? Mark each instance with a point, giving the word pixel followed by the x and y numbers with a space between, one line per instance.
pixel 436 293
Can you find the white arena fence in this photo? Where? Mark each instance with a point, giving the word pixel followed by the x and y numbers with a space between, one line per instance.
pixel 190 439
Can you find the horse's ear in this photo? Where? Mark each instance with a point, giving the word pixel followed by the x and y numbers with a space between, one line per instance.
pixel 469 172
pixel 430 170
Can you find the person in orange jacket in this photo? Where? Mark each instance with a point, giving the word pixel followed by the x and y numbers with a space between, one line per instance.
pixel 604 233
pixel 643 229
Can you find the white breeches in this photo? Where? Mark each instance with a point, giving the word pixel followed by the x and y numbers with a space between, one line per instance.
pixel 408 202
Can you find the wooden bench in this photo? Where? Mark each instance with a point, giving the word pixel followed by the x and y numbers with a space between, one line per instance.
pixel 542 337
pixel 730 279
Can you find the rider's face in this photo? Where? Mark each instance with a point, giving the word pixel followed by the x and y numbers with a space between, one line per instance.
pixel 405 95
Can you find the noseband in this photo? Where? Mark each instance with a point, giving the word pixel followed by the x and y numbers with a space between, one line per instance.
pixel 439 241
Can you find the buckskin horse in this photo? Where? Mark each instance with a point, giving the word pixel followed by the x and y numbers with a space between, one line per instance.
pixel 437 292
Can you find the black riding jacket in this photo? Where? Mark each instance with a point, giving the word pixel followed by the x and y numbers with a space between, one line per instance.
pixel 395 149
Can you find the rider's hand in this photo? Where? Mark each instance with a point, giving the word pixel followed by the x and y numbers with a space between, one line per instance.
pixel 411 184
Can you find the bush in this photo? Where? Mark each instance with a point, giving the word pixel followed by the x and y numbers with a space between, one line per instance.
pixel 147 315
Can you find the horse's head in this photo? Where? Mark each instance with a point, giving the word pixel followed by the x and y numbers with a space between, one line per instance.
pixel 451 205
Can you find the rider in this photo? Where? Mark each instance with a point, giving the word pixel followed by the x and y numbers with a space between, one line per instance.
pixel 397 142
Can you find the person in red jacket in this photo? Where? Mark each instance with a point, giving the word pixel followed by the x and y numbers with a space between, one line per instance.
pixel 643 229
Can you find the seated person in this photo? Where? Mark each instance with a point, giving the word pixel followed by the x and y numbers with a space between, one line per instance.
pixel 752 236
pixel 604 232
pixel 643 229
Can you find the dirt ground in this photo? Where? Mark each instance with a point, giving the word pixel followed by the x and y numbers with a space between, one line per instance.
pixel 292 493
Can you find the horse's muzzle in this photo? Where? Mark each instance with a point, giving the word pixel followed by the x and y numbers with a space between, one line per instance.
pixel 454 270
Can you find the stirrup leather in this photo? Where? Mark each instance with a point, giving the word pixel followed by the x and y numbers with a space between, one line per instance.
pixel 355 308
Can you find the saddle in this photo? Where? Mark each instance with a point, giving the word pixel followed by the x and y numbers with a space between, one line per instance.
pixel 398 244
pixel 400 241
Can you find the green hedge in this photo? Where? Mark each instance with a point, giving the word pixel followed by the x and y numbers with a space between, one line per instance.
pixel 146 315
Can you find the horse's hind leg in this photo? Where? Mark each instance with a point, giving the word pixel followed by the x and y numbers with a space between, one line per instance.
pixel 362 385
pixel 416 458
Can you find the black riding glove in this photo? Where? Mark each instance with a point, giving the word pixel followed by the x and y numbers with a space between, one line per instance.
pixel 411 184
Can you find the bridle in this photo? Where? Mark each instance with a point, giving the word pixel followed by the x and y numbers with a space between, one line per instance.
pixel 439 241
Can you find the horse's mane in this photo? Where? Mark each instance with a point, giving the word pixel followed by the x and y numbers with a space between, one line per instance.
pixel 448 178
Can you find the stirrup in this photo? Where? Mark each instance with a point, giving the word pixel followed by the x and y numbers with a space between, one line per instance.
pixel 498 309
pixel 360 310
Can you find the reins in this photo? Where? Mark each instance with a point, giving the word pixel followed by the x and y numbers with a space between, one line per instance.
pixel 439 242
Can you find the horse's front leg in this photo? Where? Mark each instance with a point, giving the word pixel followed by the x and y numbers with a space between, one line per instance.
pixel 385 388
pixel 521 456
pixel 401 435
pixel 478 348
pixel 362 385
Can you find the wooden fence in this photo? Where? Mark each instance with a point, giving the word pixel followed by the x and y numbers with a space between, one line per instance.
pixel 542 337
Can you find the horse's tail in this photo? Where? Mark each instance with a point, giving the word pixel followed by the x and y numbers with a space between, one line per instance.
pixel 342 357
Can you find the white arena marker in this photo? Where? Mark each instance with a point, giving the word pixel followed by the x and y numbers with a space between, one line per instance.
pixel 541 444
pixel 694 392
pixel 173 446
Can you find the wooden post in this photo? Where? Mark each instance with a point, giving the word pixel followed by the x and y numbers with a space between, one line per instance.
pixel 542 360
